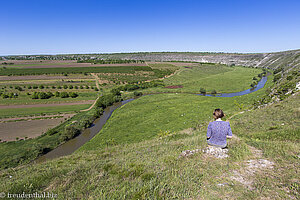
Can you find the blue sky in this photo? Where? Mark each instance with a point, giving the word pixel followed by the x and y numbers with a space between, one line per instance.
pixel 90 26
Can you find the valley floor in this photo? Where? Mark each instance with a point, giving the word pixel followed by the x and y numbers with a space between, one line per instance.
pixel 263 163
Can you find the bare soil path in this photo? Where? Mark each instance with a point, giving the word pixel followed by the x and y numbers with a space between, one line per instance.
pixel 97 79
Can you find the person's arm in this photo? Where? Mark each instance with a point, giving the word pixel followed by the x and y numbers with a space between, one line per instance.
pixel 229 133
pixel 208 134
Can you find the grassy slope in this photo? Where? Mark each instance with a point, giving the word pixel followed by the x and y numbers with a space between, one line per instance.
pixel 211 77
pixel 145 117
pixel 152 170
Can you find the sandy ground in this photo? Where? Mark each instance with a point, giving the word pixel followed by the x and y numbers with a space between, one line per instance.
pixel 46 105
pixel 10 130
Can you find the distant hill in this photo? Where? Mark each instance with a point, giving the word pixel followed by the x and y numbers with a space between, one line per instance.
pixel 284 59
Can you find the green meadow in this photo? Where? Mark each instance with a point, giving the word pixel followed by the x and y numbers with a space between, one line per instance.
pixel 221 78
pixel 149 115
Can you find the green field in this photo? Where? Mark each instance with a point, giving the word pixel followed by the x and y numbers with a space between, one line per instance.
pixel 145 117
pixel 18 112
pixel 211 77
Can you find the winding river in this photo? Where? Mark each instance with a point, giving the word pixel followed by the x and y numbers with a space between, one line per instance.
pixel 72 145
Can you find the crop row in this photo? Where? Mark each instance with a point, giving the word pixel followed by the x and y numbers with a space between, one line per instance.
pixel 72 70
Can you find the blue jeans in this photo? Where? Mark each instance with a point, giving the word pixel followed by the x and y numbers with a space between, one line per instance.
pixel 216 145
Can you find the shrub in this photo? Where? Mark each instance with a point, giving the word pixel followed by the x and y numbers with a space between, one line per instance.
pixel 289 78
pixel 137 94
pixel 64 95
pixel 41 87
pixel 115 92
pixel 57 94
pixel 5 96
pixel 35 95
pixel 35 87
pixel 213 92
pixel 59 87
pixel 202 91
pixel 254 78
pixel 70 86
pixel 18 88
pixel 65 87
pixel 69 133
pixel 73 94
pixel 29 87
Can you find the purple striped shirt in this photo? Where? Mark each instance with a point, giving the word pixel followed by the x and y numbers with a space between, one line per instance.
pixel 217 132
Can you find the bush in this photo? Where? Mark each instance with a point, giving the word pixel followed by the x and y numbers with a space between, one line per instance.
pixel 35 87
pixel 202 91
pixel 18 88
pixel 73 94
pixel 213 92
pixel 254 78
pixel 5 96
pixel 65 87
pixel 70 86
pixel 289 78
pixel 57 94
pixel 35 95
pixel 69 133
pixel 64 95
pixel 115 92
pixel 41 87
pixel 59 87
pixel 137 94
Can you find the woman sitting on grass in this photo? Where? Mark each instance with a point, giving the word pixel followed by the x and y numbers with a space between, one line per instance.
pixel 218 131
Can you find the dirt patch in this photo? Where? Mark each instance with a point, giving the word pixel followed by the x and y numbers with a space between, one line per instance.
pixel 174 86
pixel 47 105
pixel 189 67
pixel 245 177
pixel 11 130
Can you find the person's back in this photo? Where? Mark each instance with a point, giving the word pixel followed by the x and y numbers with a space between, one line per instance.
pixel 218 131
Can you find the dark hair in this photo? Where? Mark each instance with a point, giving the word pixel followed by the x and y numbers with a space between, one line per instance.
pixel 218 113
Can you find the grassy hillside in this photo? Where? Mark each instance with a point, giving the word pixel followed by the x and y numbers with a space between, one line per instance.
pixel 152 169
pixel 211 77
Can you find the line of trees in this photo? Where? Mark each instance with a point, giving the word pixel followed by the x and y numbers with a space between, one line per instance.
pixel 109 61
pixel 48 95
